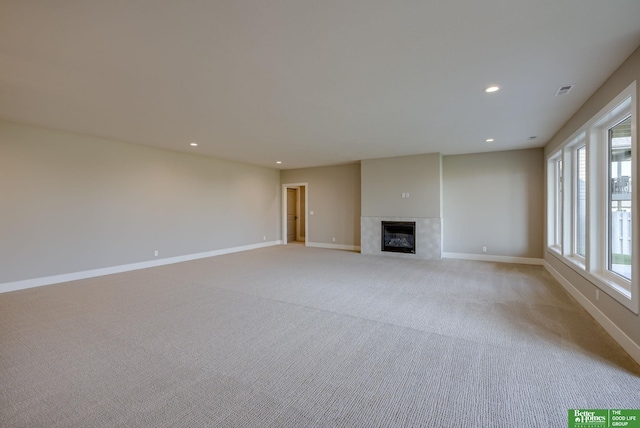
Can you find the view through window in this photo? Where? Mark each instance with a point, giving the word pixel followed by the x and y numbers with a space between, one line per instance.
pixel 581 202
pixel 619 221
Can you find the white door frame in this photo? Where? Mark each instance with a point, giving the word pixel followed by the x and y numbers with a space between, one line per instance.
pixel 305 212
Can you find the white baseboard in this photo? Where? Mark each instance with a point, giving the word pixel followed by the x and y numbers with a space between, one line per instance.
pixel 55 279
pixel 614 331
pixel 334 246
pixel 490 258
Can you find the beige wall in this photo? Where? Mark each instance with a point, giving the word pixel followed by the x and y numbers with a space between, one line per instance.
pixel 385 180
pixel 494 200
pixel 72 203
pixel 333 195
pixel 629 71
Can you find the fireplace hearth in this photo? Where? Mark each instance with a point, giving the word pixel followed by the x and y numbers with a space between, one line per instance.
pixel 399 236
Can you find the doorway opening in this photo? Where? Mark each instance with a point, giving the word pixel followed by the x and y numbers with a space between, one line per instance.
pixel 295 204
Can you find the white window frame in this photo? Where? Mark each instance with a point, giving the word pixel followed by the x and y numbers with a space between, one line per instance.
pixel 580 143
pixel 554 203
pixel 594 135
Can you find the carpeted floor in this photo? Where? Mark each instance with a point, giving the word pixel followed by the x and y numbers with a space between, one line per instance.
pixel 290 336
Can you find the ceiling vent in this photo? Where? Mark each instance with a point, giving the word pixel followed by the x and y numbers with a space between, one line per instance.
pixel 564 90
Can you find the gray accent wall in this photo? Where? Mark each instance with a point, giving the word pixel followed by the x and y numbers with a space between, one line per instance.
pixel 494 200
pixel 333 195
pixel 72 203
pixel 405 188
pixel 385 180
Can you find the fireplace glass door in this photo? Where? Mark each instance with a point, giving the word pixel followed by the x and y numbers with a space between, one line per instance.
pixel 399 236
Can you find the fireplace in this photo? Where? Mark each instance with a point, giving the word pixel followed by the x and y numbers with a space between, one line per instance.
pixel 399 236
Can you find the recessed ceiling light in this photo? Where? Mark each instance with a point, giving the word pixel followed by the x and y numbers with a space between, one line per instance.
pixel 278 162
pixel 194 144
pixel 491 89
pixel 489 140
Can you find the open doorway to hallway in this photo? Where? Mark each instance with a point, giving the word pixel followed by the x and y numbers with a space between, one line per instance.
pixel 294 209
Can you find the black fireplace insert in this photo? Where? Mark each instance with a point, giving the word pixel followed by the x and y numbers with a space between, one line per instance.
pixel 399 236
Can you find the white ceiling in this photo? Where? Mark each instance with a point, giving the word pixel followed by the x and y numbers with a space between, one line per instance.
pixel 309 82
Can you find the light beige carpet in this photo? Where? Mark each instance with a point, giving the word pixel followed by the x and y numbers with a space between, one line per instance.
pixel 300 337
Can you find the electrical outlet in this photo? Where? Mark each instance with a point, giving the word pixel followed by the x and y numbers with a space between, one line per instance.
pixel 334 239
pixel 155 253
pixel 484 249
pixel 264 238
pixel 598 295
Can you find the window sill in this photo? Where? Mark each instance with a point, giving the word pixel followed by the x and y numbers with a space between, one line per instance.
pixel 556 249
pixel 577 262
pixel 602 280
pixel 608 280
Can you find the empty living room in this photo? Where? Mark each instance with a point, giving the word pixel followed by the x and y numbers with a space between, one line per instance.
pixel 319 214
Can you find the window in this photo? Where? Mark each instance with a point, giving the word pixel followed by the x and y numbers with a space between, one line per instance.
pixel 554 189
pixel 580 230
pixel 592 200
pixel 558 213
pixel 619 199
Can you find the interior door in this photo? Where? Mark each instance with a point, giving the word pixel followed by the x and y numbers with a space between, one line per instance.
pixel 292 218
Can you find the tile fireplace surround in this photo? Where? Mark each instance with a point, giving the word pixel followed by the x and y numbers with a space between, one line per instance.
pixel 428 237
